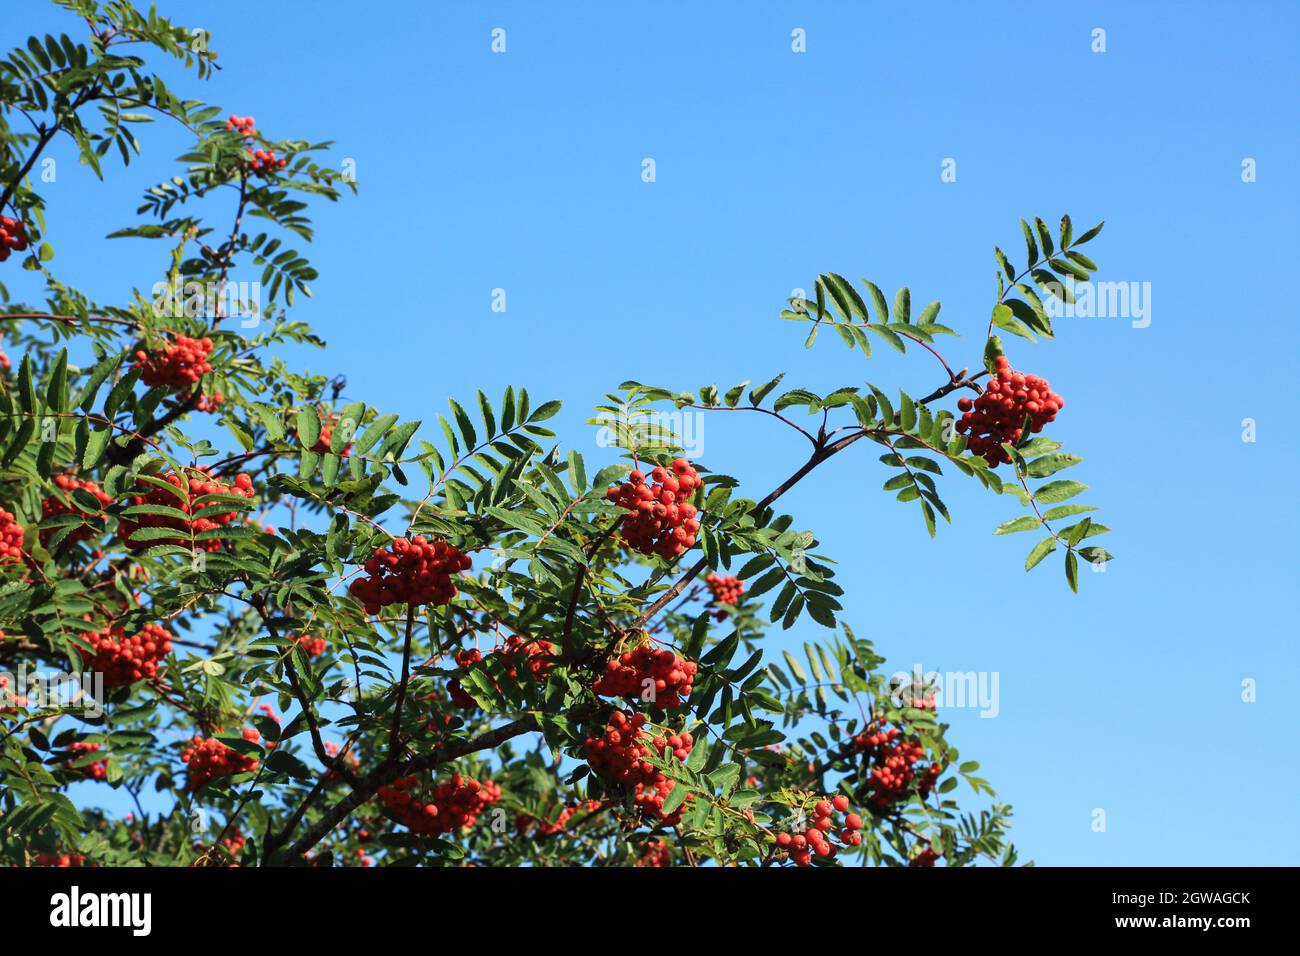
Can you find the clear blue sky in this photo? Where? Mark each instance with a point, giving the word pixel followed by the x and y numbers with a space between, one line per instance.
pixel 522 171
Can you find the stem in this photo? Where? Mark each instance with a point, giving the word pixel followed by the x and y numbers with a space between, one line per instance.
pixel 395 732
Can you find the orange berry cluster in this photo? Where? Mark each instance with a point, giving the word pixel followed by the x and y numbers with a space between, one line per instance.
pixel 657 677
pixel 95 771
pixel 454 805
pixel 550 827
pixel 56 505
pixel 9 695
pixel 619 755
pixel 322 445
pixel 124 660
pixel 13 236
pixel 998 415
pixel 817 838
pixel 313 646
pixel 199 484
pixel 926 857
pixel 11 538
pixel 726 589
pixel 536 657
pixel 332 750
pixel 60 859
pixel 245 125
pixel 208 758
pixel 662 519
pixel 178 365
pixel 210 403
pixel 264 161
pixel 655 853
pixel 894 767
pixel 409 571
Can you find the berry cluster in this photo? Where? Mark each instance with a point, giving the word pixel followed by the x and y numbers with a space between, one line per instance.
pixel 9 697
pixel 178 365
pixel 13 236
pixel 245 125
pixel 526 822
pixel 726 589
pixel 234 842
pixel 815 839
pixel 262 162
pixel 998 415
pixel 124 660
pixel 208 758
pixel 11 538
pixel 926 857
pixel 56 505
pixel 409 571
pixel 919 695
pixel 334 751
pixel 59 859
pixel 534 657
pixel 312 646
pixel 210 403
pixel 655 853
pixel 454 805
pixel 322 445
pixel 198 485
pixel 662 519
pixel 657 677
pixel 619 755
pixel 894 767
pixel 95 771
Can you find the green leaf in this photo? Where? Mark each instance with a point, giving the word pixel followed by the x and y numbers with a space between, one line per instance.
pixel 308 425
pixel 877 300
pixel 96 444
pixel 1004 318
pixel 1077 532
pixel 1023 523
pixel 1005 264
pixel 903 306
pixel 98 375
pixel 374 431
pixel 1072 571
pixel 1041 550
pixel 1031 246
pixel 545 410
pixel 1065 511
pixel 757 395
pixel 56 393
pixel 1090 234
pixel 1052 492
pixel 992 349
pixel 1051 464
pixel 1093 555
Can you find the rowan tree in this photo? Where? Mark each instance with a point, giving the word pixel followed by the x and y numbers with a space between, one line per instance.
pixel 329 635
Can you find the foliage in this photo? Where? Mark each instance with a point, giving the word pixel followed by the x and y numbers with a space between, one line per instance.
pixel 340 478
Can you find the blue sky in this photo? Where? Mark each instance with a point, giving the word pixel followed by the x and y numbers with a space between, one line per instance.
pixel 522 171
